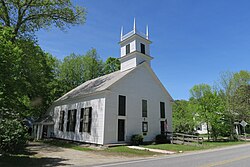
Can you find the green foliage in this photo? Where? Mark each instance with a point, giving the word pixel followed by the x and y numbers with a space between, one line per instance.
pixel 13 136
pixel 230 88
pixel 209 109
pixel 26 17
pixel 111 65
pixel 77 69
pixel 25 77
pixel 136 140
pixel 160 139
pixel 183 116
pixel 93 65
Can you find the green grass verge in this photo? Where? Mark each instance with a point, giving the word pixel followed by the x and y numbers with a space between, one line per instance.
pixel 124 150
pixel 204 146
pixel 120 150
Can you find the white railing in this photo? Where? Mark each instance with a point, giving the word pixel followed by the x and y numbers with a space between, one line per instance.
pixel 132 33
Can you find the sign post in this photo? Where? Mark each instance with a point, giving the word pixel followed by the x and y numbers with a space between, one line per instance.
pixel 244 124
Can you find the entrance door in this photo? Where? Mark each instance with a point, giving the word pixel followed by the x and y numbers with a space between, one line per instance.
pixel 121 130
pixel 45 131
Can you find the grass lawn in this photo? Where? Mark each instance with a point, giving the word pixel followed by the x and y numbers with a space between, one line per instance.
pixel 120 150
pixel 204 146
pixel 123 150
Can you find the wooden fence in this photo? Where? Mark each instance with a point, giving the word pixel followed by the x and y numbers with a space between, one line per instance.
pixel 181 138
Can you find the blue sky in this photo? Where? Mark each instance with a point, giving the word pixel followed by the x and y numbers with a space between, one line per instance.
pixel 193 40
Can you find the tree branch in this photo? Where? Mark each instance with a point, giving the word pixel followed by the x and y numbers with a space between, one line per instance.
pixel 6 17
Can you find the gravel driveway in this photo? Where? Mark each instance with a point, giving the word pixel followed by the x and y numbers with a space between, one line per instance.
pixel 58 156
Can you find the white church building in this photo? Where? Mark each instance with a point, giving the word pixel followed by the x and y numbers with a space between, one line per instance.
pixel 112 108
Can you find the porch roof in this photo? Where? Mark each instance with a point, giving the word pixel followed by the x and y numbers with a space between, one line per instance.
pixel 45 120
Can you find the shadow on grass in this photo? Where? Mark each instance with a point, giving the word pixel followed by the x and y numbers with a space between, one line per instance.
pixel 15 160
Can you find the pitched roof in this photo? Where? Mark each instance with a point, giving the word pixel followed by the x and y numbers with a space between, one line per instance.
pixel 95 85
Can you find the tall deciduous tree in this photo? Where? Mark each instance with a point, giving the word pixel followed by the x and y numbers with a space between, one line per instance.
pixel 111 65
pixel 183 117
pixel 93 65
pixel 25 76
pixel 28 16
pixel 228 85
pixel 76 69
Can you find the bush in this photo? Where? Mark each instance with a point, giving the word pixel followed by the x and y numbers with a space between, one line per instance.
pixel 136 140
pixel 161 138
pixel 13 136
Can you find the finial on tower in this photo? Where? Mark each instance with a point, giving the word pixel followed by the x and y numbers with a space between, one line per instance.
pixel 134 26
pixel 147 32
pixel 121 32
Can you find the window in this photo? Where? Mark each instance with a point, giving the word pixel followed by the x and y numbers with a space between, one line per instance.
pixel 85 120
pixel 122 105
pixel 128 49
pixel 142 48
pixel 61 120
pixel 162 127
pixel 144 108
pixel 162 109
pixel 144 126
pixel 71 121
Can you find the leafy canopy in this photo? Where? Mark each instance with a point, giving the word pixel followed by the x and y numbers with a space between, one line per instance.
pixel 28 16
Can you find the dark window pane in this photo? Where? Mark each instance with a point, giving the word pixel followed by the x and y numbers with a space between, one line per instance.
pixel 81 120
pixel 86 119
pixel 68 120
pixel 162 109
pixel 144 108
pixel 122 105
pixel 162 127
pixel 142 48
pixel 128 49
pixel 61 120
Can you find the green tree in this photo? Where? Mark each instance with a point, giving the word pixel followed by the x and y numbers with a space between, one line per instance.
pixel 227 86
pixel 13 136
pixel 111 65
pixel 26 74
pixel 242 103
pixel 210 108
pixel 93 65
pixel 76 69
pixel 71 72
pixel 183 117
pixel 28 16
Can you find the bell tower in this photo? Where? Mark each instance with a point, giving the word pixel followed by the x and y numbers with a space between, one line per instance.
pixel 134 48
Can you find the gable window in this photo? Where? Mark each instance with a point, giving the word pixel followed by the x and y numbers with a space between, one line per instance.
pixel 61 120
pixel 85 119
pixel 144 126
pixel 144 108
pixel 162 109
pixel 128 49
pixel 122 105
pixel 71 121
pixel 142 48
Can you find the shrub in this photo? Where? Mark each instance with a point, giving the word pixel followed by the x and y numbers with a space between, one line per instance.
pixel 13 136
pixel 136 140
pixel 161 138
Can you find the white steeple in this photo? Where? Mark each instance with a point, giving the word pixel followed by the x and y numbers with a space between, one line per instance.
pixel 134 48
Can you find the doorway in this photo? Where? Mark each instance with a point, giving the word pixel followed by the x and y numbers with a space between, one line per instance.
pixel 121 130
